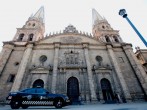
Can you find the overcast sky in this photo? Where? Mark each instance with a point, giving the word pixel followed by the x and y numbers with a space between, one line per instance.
pixel 60 13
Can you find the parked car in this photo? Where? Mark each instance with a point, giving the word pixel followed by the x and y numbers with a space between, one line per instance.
pixel 36 97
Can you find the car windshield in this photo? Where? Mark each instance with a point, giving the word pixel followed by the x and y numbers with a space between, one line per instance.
pixel 41 90
pixel 32 90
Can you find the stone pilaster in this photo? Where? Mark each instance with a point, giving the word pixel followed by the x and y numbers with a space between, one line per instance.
pixel 55 68
pixel 100 90
pixel 4 55
pixel 119 73
pixel 136 65
pixel 22 68
pixel 90 79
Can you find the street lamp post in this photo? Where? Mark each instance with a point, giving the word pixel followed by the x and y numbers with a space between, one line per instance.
pixel 123 13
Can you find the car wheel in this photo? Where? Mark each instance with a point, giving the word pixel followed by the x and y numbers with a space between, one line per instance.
pixel 24 106
pixel 15 105
pixel 58 103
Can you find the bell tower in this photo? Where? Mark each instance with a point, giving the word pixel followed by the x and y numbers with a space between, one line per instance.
pixel 102 30
pixel 34 28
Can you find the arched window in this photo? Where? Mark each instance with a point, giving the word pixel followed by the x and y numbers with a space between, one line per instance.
pixel 76 60
pixel 21 37
pixel 72 60
pixel 115 39
pixel 38 83
pixel 107 39
pixel 33 24
pixel 67 60
pixel 103 27
pixel 31 37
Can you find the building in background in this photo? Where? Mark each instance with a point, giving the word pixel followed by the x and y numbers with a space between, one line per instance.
pixel 141 55
pixel 85 67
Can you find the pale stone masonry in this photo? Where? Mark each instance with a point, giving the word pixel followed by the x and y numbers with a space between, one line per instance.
pixel 85 67
pixel 55 68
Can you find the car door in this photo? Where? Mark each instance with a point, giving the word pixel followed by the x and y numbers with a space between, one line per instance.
pixel 41 94
pixel 27 94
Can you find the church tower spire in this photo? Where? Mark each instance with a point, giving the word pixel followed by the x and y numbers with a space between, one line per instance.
pixel 102 30
pixel 96 17
pixel 39 15
pixel 34 28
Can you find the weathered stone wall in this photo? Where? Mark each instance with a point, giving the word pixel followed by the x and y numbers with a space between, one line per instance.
pixel 10 68
pixel 35 62
pixel 129 75
pixel 35 69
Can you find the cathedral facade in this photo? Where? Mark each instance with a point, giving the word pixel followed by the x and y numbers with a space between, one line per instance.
pixel 82 66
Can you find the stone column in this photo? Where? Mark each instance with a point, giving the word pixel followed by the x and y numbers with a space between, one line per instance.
pixel 21 70
pixel 90 79
pixel 119 73
pixel 55 68
pixel 4 55
pixel 136 65
pixel 100 75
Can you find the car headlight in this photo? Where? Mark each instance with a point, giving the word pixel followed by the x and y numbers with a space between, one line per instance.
pixel 10 97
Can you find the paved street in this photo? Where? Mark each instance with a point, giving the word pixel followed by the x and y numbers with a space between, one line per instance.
pixel 130 106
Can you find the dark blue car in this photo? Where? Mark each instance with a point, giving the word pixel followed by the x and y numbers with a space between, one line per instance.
pixel 36 97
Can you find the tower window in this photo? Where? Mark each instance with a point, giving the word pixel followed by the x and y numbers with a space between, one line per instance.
pixel 11 78
pixel 29 24
pixel 33 24
pixel 116 39
pixel 30 37
pixel 107 27
pixel 107 39
pixel 103 27
pixel 20 37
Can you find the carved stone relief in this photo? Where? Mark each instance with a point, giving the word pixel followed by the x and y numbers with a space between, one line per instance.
pixel 71 39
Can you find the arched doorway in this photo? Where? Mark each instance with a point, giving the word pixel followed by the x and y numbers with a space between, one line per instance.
pixel 73 89
pixel 107 91
pixel 38 83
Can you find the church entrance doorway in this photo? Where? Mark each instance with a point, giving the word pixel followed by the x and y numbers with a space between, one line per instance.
pixel 38 83
pixel 73 89
pixel 107 91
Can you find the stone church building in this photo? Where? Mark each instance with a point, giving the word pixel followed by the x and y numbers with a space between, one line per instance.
pixel 82 66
